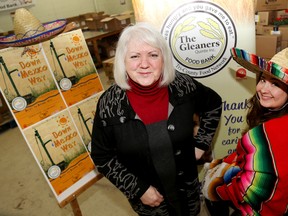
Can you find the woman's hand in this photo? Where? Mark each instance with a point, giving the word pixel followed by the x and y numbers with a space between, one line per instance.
pixel 152 197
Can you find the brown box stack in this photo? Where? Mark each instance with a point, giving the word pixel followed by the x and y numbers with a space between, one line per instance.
pixel 267 52
pixel 116 22
pixel 97 17
pixel 268 5
pixel 76 20
pixel 110 24
pixel 94 21
pixel 266 17
pixel 272 20
pixel 82 20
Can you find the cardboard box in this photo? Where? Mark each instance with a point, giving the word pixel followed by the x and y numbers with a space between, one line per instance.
pixel 97 19
pixel 284 32
pixel 266 17
pixel 125 20
pixel 90 24
pixel 82 21
pixel 268 5
pixel 264 30
pixel 94 21
pixel 111 24
pixel 282 14
pixel 76 20
pixel 129 12
pixel 86 20
pixel 267 29
pixel 284 44
pixel 283 29
pixel 259 30
pixel 268 45
pixel 87 15
pixel 116 22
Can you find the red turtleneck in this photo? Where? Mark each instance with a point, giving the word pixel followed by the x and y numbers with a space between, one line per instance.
pixel 149 102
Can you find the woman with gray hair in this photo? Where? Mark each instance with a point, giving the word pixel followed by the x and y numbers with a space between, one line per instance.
pixel 142 139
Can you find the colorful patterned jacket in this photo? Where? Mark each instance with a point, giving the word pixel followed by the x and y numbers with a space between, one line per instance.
pixel 261 187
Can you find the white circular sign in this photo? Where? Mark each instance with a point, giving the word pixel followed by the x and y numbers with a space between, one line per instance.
pixel 65 84
pixel 19 103
pixel 54 171
pixel 200 35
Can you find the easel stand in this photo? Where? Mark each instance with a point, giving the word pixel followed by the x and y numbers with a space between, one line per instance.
pixel 73 198
pixel 75 207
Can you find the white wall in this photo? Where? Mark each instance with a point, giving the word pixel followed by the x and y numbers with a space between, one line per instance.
pixel 48 10
pixel 113 6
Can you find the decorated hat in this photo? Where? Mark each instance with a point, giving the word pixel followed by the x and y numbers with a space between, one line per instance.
pixel 277 67
pixel 29 30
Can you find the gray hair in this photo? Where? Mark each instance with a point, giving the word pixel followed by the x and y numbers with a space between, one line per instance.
pixel 146 33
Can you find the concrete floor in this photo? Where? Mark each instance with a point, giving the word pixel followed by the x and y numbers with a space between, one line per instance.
pixel 25 192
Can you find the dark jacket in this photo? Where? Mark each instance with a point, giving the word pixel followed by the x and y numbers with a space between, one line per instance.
pixel 120 142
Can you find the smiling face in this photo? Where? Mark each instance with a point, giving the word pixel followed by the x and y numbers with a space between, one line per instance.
pixel 144 63
pixel 272 92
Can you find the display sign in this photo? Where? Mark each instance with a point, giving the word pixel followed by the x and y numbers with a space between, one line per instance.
pixel 200 35
pixel 52 90
pixel 13 4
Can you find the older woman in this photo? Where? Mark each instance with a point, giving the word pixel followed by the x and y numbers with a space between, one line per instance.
pixel 143 130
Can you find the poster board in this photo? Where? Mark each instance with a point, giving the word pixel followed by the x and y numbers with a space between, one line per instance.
pixel 52 89
pixel 200 35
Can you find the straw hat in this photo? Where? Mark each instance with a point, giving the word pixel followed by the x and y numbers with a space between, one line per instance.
pixel 277 67
pixel 29 30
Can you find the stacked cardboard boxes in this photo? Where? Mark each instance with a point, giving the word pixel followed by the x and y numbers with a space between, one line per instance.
pixel 93 20
pixel 99 21
pixel 271 28
pixel 74 19
pixel 116 22
pixel 271 5
pixel 273 43
pixel 79 20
